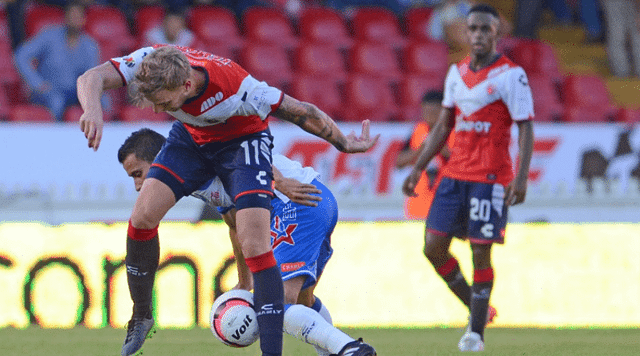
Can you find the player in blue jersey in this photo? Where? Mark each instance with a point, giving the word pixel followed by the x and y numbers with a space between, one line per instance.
pixel 304 214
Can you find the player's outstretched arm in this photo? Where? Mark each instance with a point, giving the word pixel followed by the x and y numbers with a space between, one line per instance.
pixel 433 144
pixel 316 122
pixel 245 279
pixel 296 191
pixel 91 85
pixel 517 190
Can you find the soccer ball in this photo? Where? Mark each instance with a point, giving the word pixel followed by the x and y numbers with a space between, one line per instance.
pixel 233 320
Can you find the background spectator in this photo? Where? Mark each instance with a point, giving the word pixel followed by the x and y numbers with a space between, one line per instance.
pixel 173 30
pixel 51 61
pixel 528 13
pixel 621 20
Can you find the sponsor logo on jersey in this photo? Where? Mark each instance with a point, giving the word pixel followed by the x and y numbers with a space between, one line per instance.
pixel 129 61
pixel 292 266
pixel 468 126
pixel 211 101
pixel 491 89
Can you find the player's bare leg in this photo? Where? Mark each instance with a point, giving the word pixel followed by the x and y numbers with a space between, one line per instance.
pixel 253 227
pixel 143 255
pixel 436 249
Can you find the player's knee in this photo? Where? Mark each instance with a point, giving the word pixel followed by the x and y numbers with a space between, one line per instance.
pixel 144 219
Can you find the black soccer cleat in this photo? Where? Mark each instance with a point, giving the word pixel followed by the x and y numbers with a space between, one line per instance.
pixel 357 348
pixel 138 330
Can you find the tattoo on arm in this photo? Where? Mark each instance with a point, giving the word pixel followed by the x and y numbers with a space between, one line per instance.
pixel 312 120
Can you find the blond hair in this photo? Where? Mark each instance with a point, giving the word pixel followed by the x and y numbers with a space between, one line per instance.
pixel 165 68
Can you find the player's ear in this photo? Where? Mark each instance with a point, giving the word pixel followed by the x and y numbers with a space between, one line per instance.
pixel 187 85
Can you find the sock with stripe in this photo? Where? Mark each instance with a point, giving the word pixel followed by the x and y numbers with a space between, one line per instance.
pixel 482 285
pixel 307 325
pixel 268 299
pixel 143 256
pixel 452 274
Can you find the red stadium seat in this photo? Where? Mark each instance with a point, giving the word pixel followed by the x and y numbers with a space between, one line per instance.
pixel 586 99
pixel 5 108
pixel 72 114
pixel 108 26
pixel 7 67
pixel 536 57
pixel 628 116
pixel 546 101
pixel 38 16
pixel 30 113
pixel 5 32
pixel 320 60
pixel 130 113
pixel 217 28
pixel 321 91
pixel 147 17
pixel 323 24
pixel 375 60
pixel 370 98
pixel 417 22
pixel 268 25
pixel 267 62
pixel 412 88
pixel 427 58
pixel 378 25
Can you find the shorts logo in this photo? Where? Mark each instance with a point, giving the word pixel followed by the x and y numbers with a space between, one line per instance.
pixel 282 233
pixel 290 267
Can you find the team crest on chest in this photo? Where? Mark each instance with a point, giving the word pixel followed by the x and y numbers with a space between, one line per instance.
pixel 281 233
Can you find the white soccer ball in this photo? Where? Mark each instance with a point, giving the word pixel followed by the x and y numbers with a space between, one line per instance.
pixel 233 320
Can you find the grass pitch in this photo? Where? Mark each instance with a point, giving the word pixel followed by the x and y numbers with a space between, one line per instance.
pixel 35 341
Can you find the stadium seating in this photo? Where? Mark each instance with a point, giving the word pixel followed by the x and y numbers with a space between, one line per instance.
pixel 217 28
pixel 38 16
pixel 417 22
pixel 320 60
pixel 130 113
pixel 4 104
pixel 268 25
pixel 427 58
pixel 7 68
pixel 368 97
pixel 586 99
pixel 546 100
pixel 412 88
pixel 322 24
pixel 267 62
pixel 30 113
pixel 73 113
pixel 536 57
pixel 146 18
pixel 108 26
pixel 379 25
pixel 628 116
pixel 324 92
pixel 376 60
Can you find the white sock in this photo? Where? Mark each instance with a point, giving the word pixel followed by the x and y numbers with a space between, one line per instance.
pixel 307 325
pixel 324 312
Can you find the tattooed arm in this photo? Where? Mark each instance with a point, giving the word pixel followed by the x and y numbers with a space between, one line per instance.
pixel 316 122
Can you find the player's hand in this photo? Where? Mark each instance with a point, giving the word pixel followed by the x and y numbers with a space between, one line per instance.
pixel 362 143
pixel 91 123
pixel 516 192
pixel 409 185
pixel 299 192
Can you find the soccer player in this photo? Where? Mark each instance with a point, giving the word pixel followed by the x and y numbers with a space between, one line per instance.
pixel 303 218
pixel 484 94
pixel 221 131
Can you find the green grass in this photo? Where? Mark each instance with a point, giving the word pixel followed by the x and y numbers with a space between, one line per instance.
pixel 35 341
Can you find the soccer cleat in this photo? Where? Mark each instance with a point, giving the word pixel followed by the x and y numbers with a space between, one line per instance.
pixel 471 341
pixel 491 314
pixel 357 348
pixel 138 330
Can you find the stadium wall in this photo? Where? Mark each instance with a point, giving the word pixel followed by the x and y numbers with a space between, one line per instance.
pixel 547 275
pixel 48 174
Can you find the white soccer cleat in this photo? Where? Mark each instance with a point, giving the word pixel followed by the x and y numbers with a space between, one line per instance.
pixel 471 342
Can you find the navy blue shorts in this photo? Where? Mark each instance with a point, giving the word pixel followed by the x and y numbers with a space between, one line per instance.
pixel 243 165
pixel 472 210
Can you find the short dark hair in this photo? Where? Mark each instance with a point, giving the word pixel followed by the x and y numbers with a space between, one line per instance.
pixel 433 96
pixel 144 143
pixel 484 8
